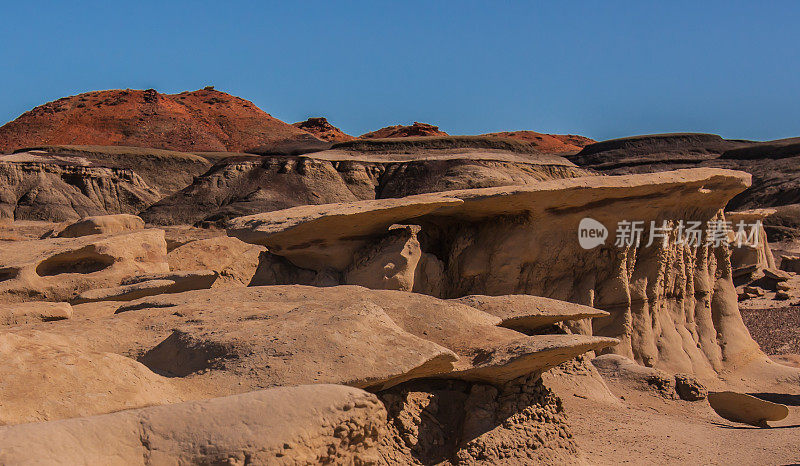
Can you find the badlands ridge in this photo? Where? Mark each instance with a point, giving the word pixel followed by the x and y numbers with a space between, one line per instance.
pixel 185 279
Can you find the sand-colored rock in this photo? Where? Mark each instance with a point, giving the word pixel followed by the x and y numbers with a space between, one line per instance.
pixel 37 311
pixel 353 342
pixel 151 285
pixel 673 306
pixel 746 409
pixel 43 378
pixel 234 261
pixel 529 313
pixel 219 342
pixel 314 424
pixel 749 257
pixel 58 269
pixel 325 236
pixel 389 264
pixel 102 224
pixel 441 421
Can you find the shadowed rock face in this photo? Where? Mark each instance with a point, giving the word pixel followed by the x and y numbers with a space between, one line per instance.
pixel 773 164
pixel 165 171
pixel 673 307
pixel 357 170
pixel 52 190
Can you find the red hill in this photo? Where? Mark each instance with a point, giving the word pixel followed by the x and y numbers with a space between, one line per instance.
pixel 401 131
pixel 320 128
pixel 554 143
pixel 202 120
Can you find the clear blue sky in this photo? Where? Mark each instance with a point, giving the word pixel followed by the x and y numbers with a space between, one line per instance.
pixel 601 69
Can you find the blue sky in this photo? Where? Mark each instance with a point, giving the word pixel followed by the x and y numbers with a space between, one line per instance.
pixel 600 69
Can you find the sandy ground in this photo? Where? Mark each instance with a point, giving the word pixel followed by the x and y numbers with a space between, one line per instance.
pixel 645 428
pixel 642 427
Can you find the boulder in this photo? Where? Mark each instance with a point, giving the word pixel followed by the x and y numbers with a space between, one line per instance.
pixel 689 388
pixel 746 409
pixel 102 224
pixel 58 269
pixel 233 260
pixel 46 378
pixel 36 311
pixel 312 424
pixel 388 264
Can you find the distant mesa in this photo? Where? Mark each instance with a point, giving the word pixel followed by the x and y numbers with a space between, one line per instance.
pixel 401 131
pixel 322 129
pixel 202 120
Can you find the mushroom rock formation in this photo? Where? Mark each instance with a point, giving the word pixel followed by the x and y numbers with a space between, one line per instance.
pixel 293 233
pixel 750 257
pixel 410 349
pixel 58 269
pixel 356 170
pixel 401 131
pixel 46 378
pixel 34 188
pixel 202 120
pixel 313 424
pixel 672 306
pixel 320 128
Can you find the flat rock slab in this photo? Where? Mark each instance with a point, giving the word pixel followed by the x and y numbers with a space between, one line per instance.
pixel 151 285
pixel 746 409
pixel 526 312
pixel 30 312
pixel 330 234
pixel 366 338
pixel 312 424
